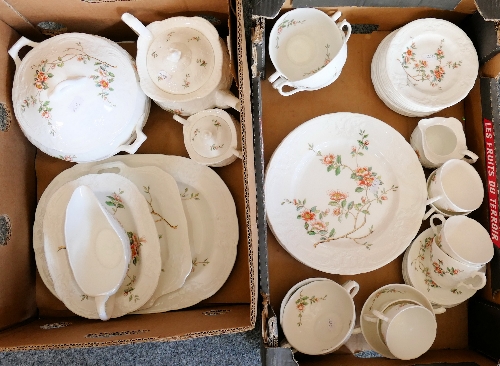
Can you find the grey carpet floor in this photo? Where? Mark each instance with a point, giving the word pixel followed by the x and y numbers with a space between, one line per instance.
pixel 225 350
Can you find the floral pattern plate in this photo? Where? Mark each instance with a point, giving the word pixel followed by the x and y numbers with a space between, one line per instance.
pixel 377 299
pixel 211 217
pixel 432 62
pixel 417 266
pixel 124 201
pixel 160 191
pixel 345 193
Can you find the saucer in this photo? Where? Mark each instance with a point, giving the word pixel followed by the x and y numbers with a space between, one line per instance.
pixel 417 265
pixel 124 201
pixel 377 299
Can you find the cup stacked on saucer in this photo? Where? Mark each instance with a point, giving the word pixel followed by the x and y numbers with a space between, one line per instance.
pixel 135 234
pixel 318 315
pixel 423 67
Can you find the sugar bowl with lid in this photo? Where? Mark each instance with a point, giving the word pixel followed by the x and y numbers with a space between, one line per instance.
pixel 183 64
pixel 77 97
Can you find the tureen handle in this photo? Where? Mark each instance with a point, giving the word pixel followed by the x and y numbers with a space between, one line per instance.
pixel 343 24
pixel 180 119
pixel 141 137
pixel 14 50
pixel 225 99
pixel 136 25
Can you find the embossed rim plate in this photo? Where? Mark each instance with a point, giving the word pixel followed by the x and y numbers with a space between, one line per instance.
pixel 414 274
pixel 380 297
pixel 130 209
pixel 430 34
pixel 222 243
pixel 290 178
pixel 160 191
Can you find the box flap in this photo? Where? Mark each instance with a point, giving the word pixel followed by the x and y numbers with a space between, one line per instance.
pixel 489 9
pixel 441 4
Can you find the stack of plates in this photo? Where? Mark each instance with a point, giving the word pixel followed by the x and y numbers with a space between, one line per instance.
pixel 426 66
pixel 183 248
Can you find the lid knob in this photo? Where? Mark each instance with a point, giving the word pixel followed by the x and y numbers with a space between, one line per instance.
pixel 173 55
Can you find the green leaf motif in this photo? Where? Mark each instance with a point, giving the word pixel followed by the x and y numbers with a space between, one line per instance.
pixel 350 205
pixel 332 233
pixel 330 168
pixel 311 232
pixel 343 203
pixel 359 189
pixel 337 171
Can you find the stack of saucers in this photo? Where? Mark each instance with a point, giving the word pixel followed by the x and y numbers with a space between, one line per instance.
pixel 135 234
pixel 426 66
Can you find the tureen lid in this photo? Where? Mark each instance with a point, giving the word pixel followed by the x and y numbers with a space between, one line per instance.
pixel 180 60
pixel 75 93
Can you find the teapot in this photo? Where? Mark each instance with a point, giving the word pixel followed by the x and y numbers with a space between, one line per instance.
pixel 439 139
pixel 183 64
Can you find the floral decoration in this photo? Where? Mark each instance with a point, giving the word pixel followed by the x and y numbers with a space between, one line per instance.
pixel 438 269
pixel 186 82
pixel 214 147
pixel 159 218
pixel 69 158
pixel 286 23
pixel 367 184
pixel 197 39
pixel 115 201
pixel 190 196
pixel 135 243
pixel 384 291
pixel 325 62
pixel 303 301
pixel 129 288
pixel 201 62
pixel 422 71
pixel 195 262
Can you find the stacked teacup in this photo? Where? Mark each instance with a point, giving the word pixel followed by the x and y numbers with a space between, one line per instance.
pixel 308 49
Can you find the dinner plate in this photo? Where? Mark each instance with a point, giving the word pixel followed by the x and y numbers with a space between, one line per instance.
pixel 211 217
pixel 123 200
pixel 417 267
pixel 162 195
pixel 345 193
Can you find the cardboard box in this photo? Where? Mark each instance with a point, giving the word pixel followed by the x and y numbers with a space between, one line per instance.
pixel 30 316
pixel 353 92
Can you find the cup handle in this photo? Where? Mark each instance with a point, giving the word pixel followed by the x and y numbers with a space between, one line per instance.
pixel 473 157
pixel 343 24
pixel 336 16
pixel 224 99
pixel 356 331
pixel 439 310
pixel 470 286
pixel 14 50
pixel 352 287
pixel 137 26
pixel 371 319
pixel 100 302
pixel 280 83
pixel 379 315
pixel 436 216
pixel 180 119
pixel 429 213
pixel 140 138
pixel 274 77
pixel 100 168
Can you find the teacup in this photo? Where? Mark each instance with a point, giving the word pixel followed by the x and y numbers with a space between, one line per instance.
pixel 439 139
pixel 456 186
pixel 308 49
pixel 407 328
pixel 319 317
pixel 463 239
pixel 449 273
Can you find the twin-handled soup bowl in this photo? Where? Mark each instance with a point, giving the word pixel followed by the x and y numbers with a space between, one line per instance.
pixel 308 49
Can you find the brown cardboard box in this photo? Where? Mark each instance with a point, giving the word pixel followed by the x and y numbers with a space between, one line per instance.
pixel 353 92
pixel 30 316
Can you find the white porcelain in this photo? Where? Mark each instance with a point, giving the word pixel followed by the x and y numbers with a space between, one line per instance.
pixel 439 139
pixel 448 272
pixel 211 137
pixel 310 187
pixel 319 317
pixel 433 209
pixel 307 47
pixel 292 291
pixel 183 64
pixel 98 247
pixel 126 204
pixel 210 213
pixel 162 195
pixel 417 267
pixel 408 329
pixel 426 66
pixel 463 239
pixel 456 186
pixel 77 97
pixel 378 300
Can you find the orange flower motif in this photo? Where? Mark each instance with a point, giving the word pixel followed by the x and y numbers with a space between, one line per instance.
pixel 337 211
pixel 328 159
pixel 308 215
pixel 117 197
pixel 409 52
pixel 439 72
pixel 45 114
pixel 337 196
pixel 440 51
pixel 423 63
pixel 300 307
pixel 104 83
pixel 318 225
pixel 383 198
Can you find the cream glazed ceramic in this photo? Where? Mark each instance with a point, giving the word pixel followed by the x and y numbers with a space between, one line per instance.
pixel 77 97
pixel 212 225
pixel 98 248
pixel 162 195
pixel 183 64
pixel 211 137
pixel 334 187
pixel 124 201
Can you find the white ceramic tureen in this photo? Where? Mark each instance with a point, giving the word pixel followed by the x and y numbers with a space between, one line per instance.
pixel 77 97
pixel 183 64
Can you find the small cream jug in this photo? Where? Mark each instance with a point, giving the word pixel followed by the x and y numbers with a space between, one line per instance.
pixel 439 139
